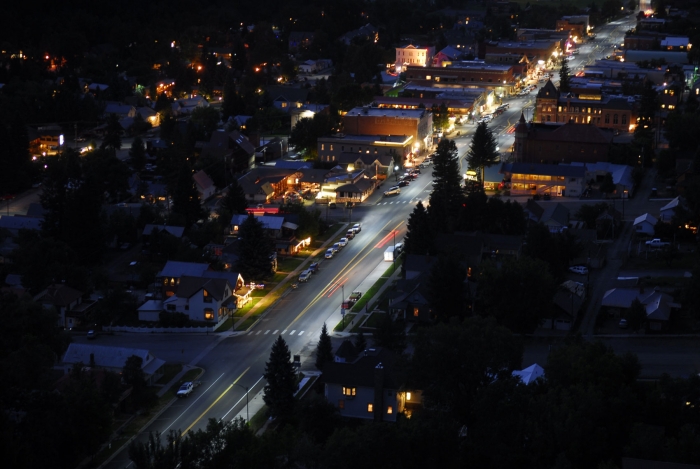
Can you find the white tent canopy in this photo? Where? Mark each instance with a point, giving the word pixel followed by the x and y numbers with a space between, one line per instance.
pixel 529 374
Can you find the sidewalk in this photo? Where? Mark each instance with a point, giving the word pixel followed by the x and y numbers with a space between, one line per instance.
pixel 364 286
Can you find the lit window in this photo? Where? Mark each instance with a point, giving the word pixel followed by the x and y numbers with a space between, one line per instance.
pixel 370 408
pixel 408 396
pixel 349 391
pixel 341 404
pixel 207 296
pixel 331 147
pixel 323 146
pixel 209 314
pixel 415 312
pixel 389 410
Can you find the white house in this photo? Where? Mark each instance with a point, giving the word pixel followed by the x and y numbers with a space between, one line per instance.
pixel 205 186
pixel 644 225
pixel 667 211
pixel 112 359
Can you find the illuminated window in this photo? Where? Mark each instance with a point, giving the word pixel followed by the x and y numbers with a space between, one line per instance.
pixel 349 391
pixel 408 396
pixel 207 296
pixel 370 408
pixel 209 314
pixel 341 404
pixel 331 147
pixel 389 410
pixel 323 146
pixel 415 312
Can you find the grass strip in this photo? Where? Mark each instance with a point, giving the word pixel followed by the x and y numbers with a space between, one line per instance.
pixel 349 317
pixel 249 321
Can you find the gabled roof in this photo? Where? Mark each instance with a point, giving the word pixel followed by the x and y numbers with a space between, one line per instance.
pixel 202 180
pixel 58 294
pixel 671 205
pixel 118 109
pixel 255 179
pixel 176 231
pixel 656 303
pixel 363 185
pixel 361 372
pixel 548 91
pixel 288 94
pixel 347 351
pixel 104 356
pixel 645 218
pixel 534 209
pixel 269 222
pixel 529 374
pixel 178 269
pixel 557 213
pixel 214 286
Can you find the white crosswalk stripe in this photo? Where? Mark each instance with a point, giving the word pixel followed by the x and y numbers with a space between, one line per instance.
pixel 249 333
pixel 300 333
pixel 258 333
pixel 292 333
pixel 276 331
pixel 267 331
pixel 284 331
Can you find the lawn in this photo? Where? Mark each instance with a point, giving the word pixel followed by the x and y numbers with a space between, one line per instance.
pixel 247 323
pixel 288 264
pixel 171 370
pixel 374 320
pixel 349 318
pixel 240 312
pixel 329 232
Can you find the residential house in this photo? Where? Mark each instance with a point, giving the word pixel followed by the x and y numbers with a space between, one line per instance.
pixel 468 248
pixel 184 107
pixel 205 186
pixel 202 299
pixel 413 55
pixel 169 277
pixel 67 302
pixel 368 388
pixel 657 304
pixel 413 304
pixel 497 246
pixel 150 310
pixel 112 359
pixel 667 212
pixel 364 33
pixel 355 192
pixel 644 225
pixel 608 223
pixel 568 300
pixel 149 229
pixel 233 147
pixel 286 98
pixel 346 353
pixel 530 374
pixel 120 110
pixel 282 231
pixel 445 56
pixel 555 217
pixel 621 176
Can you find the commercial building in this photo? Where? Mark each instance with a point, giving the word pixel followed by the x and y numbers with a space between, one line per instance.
pixel 367 121
pixel 413 55
pixel 502 78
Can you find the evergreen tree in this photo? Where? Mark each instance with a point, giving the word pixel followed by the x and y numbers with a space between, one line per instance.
pixel 137 153
pixel 482 150
pixel 281 381
pixel 564 76
pixel 235 202
pixel 255 250
pixel 360 342
pixel 390 334
pixel 446 197
pixel 419 233
pixel 233 104
pixel 185 196
pixel 324 349
pixel 447 288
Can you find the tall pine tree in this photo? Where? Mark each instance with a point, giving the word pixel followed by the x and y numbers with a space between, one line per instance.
pixel 324 349
pixel 482 150
pixel 255 250
pixel 446 197
pixel 419 233
pixel 564 76
pixel 281 381
pixel 185 196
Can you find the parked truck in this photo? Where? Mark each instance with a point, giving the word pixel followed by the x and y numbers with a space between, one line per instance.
pixel 350 301
pixel 393 252
pixel 657 243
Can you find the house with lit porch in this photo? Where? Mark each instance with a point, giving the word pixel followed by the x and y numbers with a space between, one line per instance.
pixel 544 179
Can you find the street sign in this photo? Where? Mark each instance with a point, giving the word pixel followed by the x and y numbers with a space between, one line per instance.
pixel 342 311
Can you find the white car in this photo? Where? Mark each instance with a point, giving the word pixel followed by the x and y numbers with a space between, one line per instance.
pixel 579 269
pixel 186 389
pixel 396 190
pixel 329 253
pixel 343 242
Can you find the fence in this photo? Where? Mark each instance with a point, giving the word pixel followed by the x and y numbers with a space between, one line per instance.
pixel 159 330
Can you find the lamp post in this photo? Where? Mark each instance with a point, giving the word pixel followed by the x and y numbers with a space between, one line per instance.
pixel 396 172
pixel 247 414
pixel 342 304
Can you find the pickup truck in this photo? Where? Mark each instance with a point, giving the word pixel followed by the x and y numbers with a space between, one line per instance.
pixel 657 243
pixel 352 299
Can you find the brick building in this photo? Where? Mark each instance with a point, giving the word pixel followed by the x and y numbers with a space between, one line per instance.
pixel 538 50
pixel 417 124
pixel 603 111
pixel 560 143
pixel 501 78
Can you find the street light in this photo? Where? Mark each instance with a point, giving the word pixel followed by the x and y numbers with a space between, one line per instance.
pixel 247 414
pixel 396 172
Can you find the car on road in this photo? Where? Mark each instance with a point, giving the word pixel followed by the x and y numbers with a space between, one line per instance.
pixel 91 334
pixel 185 389
pixel 403 183
pixel 343 242
pixel 350 234
pixel 623 324
pixel 336 247
pixel 579 269
pixel 305 276
pixel 329 253
pixel 392 191
pixel 357 228
pixel 313 267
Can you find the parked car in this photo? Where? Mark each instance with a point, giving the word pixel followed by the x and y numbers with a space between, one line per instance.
pixel 329 253
pixel 403 183
pixel 305 276
pixel 313 267
pixel 623 324
pixel 579 269
pixel 392 191
pixel 357 227
pixel 336 247
pixel 186 389
pixel 343 242
pixel 331 205
pixel 91 335
pixel 350 234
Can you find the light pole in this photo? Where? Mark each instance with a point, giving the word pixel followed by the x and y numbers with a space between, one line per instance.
pixel 342 304
pixel 247 414
pixel 396 172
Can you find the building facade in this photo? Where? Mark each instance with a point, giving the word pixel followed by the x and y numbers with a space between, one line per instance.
pixel 417 124
pixel 499 77
pixel 413 55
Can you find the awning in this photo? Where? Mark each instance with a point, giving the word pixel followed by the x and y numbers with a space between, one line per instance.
pixel 290 225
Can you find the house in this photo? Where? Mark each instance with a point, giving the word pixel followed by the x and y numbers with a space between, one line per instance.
pixel 346 353
pixel 266 182
pixel 530 374
pixel 231 147
pixel 667 212
pixel 112 359
pixel 644 225
pixel 555 217
pixel 202 299
pixel 538 178
pixel 413 55
pixel 286 98
pixel 368 388
pixel 568 300
pixel 497 246
pixel 184 107
pixel 67 302
pixel 173 271
pixel 150 310
pixel 148 230
pixel 354 192
pixel 205 186
pixel 120 110
pixel 448 54
pixel 282 231
pixel 412 304
pixel 658 305
pixel 608 223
